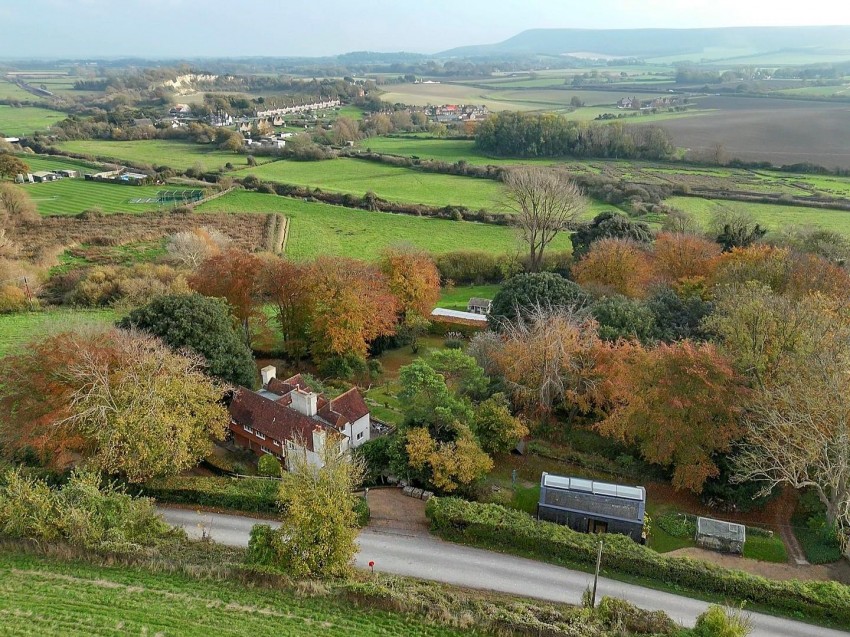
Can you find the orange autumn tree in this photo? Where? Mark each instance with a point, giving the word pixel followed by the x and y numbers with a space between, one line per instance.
pixel 684 258
pixel 352 305
pixel 286 286
pixel 618 266
pixel 679 403
pixel 413 279
pixel 233 275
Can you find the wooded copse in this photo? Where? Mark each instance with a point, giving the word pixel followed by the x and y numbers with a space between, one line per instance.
pixel 515 134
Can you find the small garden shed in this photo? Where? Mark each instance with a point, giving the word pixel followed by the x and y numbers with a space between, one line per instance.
pixel 717 535
pixel 592 507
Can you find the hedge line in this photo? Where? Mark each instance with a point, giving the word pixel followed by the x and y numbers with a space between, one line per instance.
pixel 245 494
pixel 494 526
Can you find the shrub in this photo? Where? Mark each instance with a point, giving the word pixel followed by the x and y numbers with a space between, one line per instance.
pixel 261 548
pixel 718 621
pixel 634 620
pixel 83 512
pixel 268 465
pixel 12 299
pixel 241 494
pixel 513 531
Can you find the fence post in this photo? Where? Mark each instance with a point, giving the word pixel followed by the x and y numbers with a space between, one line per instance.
pixel 596 575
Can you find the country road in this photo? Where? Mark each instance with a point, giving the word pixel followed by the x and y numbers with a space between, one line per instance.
pixel 429 558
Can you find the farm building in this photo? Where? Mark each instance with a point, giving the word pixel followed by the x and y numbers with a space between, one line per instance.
pixel 70 174
pixel 592 507
pixel 479 306
pixel 44 175
pixel 717 535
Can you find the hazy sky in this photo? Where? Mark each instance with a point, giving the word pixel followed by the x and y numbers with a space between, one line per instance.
pixel 188 28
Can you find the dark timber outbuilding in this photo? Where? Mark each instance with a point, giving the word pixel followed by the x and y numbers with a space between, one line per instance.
pixel 592 507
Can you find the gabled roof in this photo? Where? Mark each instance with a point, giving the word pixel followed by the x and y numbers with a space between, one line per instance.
pixel 350 404
pixel 271 418
pixel 476 301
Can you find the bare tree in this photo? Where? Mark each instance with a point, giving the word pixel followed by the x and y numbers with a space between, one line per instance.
pixel 546 201
pixel 798 432
pixel 191 247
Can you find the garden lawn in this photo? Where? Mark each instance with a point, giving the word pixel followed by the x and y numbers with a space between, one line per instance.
pixel 16 329
pixel 321 229
pixel 26 120
pixel 179 155
pixel 456 298
pixel 71 196
pixel 388 182
pixel 773 217
pixel 46 597
pixel 766 549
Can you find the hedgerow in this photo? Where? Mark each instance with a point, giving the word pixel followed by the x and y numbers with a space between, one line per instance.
pixel 494 526
pixel 246 494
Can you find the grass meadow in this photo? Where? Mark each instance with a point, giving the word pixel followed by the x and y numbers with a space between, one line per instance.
pixel 388 182
pixel 771 216
pixel 457 297
pixel 16 329
pixel 57 162
pixel 45 597
pixel 71 196
pixel 10 91
pixel 15 122
pixel 158 152
pixel 320 229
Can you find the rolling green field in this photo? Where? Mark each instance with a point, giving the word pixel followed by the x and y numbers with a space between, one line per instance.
pixel 772 217
pixel 70 196
pixel 450 150
pixel 43 597
pixel 26 120
pixel 319 229
pixel 157 152
pixel 9 91
pixel 388 182
pixel 16 329
pixel 56 162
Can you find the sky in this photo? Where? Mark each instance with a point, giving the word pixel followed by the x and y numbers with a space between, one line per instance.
pixel 223 28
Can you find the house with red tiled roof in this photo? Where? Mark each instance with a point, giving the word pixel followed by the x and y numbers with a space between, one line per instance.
pixel 287 416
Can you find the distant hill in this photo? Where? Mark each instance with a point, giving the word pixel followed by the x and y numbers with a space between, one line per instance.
pixel 654 43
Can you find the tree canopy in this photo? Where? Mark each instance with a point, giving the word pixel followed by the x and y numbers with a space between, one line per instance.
pixel 522 293
pixel 204 325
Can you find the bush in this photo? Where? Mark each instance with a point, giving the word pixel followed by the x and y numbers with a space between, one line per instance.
pixel 82 512
pixel 261 549
pixel 240 494
pixel 497 527
pixel 634 620
pixel 718 621
pixel 269 466
pixel 819 541
pixel 361 509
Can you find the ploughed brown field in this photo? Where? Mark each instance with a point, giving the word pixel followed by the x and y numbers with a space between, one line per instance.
pixel 767 129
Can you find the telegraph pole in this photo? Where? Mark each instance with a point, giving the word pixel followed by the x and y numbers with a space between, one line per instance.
pixel 596 576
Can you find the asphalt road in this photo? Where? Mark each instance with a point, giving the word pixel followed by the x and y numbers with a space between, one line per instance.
pixel 429 558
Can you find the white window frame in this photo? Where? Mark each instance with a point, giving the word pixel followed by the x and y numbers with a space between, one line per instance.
pixel 248 428
pixel 259 435
pixel 275 443
pixel 360 435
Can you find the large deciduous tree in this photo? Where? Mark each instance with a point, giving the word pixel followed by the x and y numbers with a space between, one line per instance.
pixel 413 279
pixel 121 401
pixel 352 306
pixel 609 225
pixel 318 526
pixel 681 258
pixel 546 202
pixel 233 275
pixel 11 166
pixel 548 360
pixel 287 287
pixel 619 266
pixel 679 403
pixel 496 428
pixel 205 326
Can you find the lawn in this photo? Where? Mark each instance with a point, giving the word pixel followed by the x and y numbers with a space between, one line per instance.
pixel 771 216
pixel 10 91
pixel 321 229
pixel 157 152
pixel 27 120
pixel 16 329
pixel 450 150
pixel 388 182
pixel 45 597
pixel 456 298
pixel 57 162
pixel 71 196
